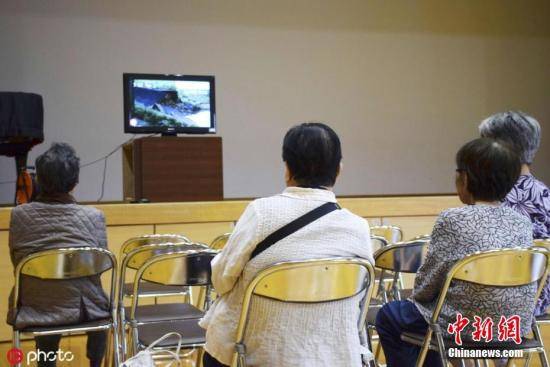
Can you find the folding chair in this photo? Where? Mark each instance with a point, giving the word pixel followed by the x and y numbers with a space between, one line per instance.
pixel 392 234
pixel 134 260
pixel 542 319
pixel 219 242
pixel 498 268
pixel 150 289
pixel 66 264
pixel 378 242
pixel 310 281
pixel 426 237
pixel 177 267
pixel 404 257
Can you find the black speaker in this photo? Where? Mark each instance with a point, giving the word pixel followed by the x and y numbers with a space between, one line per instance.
pixel 21 122
pixel 21 128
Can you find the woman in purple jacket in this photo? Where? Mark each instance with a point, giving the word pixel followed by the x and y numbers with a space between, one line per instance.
pixel 529 196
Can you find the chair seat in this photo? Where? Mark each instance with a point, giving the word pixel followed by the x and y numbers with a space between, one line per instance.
pixel 192 333
pixel 417 339
pixel 375 302
pixel 371 315
pixel 165 311
pixel 148 289
pixel 97 324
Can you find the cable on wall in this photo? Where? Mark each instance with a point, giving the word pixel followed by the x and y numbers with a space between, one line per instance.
pixel 104 159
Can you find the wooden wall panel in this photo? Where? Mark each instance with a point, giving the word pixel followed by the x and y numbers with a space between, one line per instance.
pixel 374 221
pixel 412 226
pixel 118 234
pixel 115 238
pixel 197 232
pixel 230 210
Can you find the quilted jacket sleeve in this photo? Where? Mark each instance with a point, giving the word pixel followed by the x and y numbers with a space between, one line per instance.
pixel 100 231
pixel 17 227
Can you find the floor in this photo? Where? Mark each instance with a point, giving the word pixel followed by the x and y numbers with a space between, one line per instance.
pixel 77 345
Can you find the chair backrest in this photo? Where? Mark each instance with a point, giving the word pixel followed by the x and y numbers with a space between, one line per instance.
pixel 149 239
pixel 426 237
pixel 378 242
pixel 66 263
pixel 136 258
pixel 182 267
pixel 219 242
pixel 392 234
pixel 311 281
pixel 179 267
pixel 511 267
pixel 402 257
pixel 139 255
pixel 542 243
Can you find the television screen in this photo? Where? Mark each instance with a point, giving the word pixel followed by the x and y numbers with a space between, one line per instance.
pixel 169 104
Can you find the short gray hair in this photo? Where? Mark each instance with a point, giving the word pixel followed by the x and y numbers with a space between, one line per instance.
pixel 57 169
pixel 516 128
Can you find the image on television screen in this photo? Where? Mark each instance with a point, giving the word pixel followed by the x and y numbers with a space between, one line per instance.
pixel 170 103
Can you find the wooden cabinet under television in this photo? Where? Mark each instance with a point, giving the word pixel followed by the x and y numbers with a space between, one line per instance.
pixel 164 169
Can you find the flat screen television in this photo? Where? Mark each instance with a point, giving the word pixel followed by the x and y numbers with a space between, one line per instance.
pixel 169 104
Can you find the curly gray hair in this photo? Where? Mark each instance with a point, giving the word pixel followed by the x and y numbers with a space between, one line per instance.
pixel 516 128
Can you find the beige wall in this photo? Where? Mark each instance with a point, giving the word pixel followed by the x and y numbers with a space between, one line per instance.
pixel 404 83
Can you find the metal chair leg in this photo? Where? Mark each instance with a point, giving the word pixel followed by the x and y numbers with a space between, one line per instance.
pixel 135 340
pixel 109 349
pixel 200 354
pixel 527 360
pixel 241 354
pixel 123 339
pixel 16 343
pixel 542 355
pixel 441 346
pixel 373 362
pixel 377 352
pixel 116 343
pixel 424 349
pixel 395 286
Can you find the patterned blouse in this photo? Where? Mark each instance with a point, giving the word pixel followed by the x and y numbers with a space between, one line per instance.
pixel 459 232
pixel 531 198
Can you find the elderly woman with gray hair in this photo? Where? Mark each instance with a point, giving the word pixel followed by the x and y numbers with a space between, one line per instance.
pixel 529 196
pixel 55 220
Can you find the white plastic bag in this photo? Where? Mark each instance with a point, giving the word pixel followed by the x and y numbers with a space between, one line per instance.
pixel 144 358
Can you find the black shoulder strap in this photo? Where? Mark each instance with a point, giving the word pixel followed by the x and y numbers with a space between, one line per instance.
pixel 294 226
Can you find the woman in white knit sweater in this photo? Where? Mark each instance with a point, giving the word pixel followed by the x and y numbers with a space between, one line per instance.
pixel 282 334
